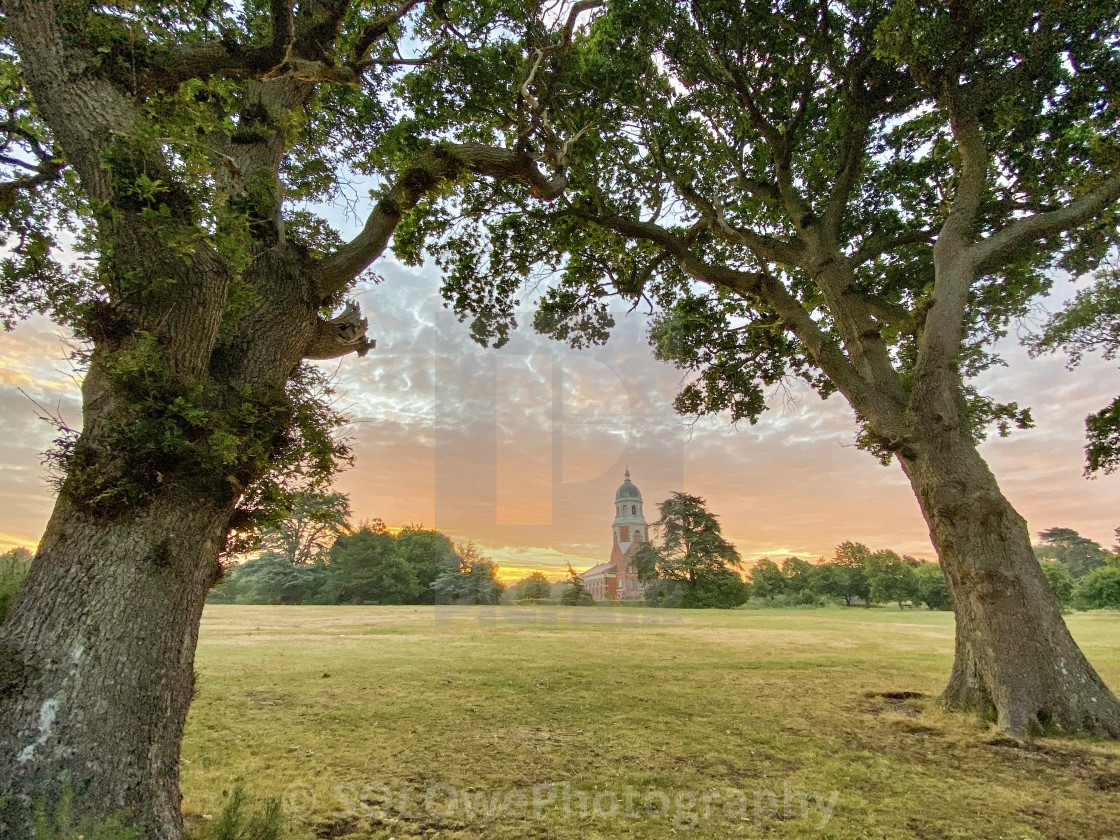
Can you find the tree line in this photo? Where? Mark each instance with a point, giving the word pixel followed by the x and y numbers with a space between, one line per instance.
pixel 371 565
pixel 857 576
pixel 689 563
pixel 1079 572
pixel 312 555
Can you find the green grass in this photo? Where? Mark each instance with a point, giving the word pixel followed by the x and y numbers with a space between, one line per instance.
pixel 722 706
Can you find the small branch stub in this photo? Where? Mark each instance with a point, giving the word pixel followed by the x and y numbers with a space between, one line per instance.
pixel 343 334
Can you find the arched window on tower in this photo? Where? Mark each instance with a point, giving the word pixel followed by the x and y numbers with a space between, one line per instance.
pixel 633 510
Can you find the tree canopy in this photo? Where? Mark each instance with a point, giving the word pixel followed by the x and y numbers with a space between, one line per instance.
pixel 772 178
pixel 1077 553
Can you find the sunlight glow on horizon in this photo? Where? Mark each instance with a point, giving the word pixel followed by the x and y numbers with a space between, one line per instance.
pixel 520 450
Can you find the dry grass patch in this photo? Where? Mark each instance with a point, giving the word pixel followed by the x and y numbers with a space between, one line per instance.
pixel 732 716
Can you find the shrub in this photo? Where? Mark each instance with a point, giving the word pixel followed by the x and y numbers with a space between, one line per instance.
pixel 1059 580
pixel 663 593
pixel 933 589
pixel 1099 588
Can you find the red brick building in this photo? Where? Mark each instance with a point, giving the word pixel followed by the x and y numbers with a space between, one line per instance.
pixel 617 580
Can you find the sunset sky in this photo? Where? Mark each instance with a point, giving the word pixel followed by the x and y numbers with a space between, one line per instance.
pixel 521 449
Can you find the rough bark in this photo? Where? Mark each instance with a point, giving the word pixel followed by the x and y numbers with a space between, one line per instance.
pixel 1015 658
pixel 96 663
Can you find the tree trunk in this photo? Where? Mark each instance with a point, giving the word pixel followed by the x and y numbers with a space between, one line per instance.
pixel 1015 657
pixel 96 662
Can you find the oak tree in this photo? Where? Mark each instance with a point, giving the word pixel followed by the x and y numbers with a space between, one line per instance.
pixel 184 150
pixel 862 195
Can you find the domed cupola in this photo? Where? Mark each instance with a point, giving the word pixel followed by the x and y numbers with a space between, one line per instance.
pixel 628 490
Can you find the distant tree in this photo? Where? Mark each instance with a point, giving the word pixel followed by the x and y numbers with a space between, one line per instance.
pixel 365 567
pixel 831 580
pixel 767 580
pixel 891 578
pixel 308 527
pixel 1078 554
pixel 14 565
pixel 799 574
pixel 535 587
pixel 1099 589
pixel 933 589
pixel 1090 323
pixel 301 535
pixel 722 590
pixel 1059 580
pixel 474 581
pixel 647 562
pixel 430 554
pixel 853 557
pixel 576 594
pixel 272 578
pixel 689 549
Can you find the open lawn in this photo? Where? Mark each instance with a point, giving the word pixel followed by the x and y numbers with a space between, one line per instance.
pixel 597 722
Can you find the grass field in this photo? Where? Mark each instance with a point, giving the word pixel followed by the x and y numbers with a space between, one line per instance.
pixel 561 723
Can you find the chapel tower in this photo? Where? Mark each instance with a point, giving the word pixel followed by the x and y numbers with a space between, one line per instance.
pixel 630 531
pixel 617 579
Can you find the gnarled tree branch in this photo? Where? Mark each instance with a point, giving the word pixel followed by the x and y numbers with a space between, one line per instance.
pixel 378 28
pixel 1025 230
pixel 40 175
pixel 878 244
pixel 437 165
pixel 293 52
